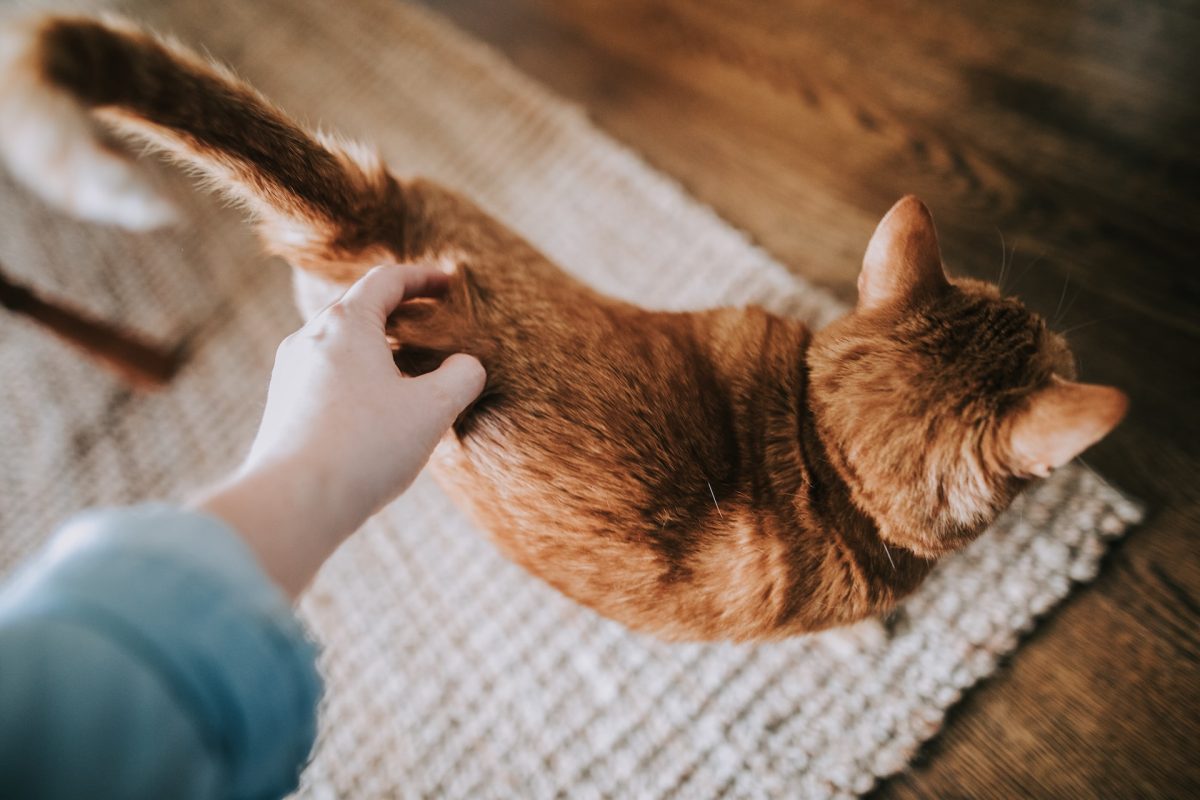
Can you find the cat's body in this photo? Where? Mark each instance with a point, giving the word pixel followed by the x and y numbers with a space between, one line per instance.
pixel 662 468
pixel 718 474
pixel 681 487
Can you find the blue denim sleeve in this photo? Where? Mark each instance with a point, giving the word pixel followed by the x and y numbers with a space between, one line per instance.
pixel 144 653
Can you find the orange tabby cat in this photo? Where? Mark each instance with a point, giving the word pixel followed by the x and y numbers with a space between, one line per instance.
pixel 725 474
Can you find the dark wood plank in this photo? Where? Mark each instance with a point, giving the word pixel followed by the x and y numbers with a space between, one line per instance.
pixel 1068 130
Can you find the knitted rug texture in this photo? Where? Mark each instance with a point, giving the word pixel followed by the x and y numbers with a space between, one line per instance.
pixel 452 673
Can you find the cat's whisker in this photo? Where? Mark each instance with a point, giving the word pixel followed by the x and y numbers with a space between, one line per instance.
pixel 1028 267
pixel 714 497
pixel 1012 259
pixel 1003 259
pixel 1061 297
pixel 889 554
pixel 1066 311
pixel 1074 328
pixel 1088 467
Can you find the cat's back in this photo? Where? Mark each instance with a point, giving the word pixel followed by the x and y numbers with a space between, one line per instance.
pixel 633 467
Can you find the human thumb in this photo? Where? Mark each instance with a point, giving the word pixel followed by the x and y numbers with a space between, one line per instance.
pixel 456 383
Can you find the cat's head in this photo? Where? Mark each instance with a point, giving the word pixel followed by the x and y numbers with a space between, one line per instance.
pixel 937 399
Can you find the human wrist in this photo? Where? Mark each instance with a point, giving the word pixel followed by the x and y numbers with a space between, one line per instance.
pixel 304 490
pixel 288 512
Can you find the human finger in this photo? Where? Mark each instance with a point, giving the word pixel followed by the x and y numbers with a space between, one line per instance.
pixel 377 293
pixel 455 384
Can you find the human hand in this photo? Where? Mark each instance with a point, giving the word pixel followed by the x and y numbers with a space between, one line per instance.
pixel 338 405
pixel 343 432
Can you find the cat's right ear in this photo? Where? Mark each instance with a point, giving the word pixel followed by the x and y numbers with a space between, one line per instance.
pixel 1060 422
pixel 903 262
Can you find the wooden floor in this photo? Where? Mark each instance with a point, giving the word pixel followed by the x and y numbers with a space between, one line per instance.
pixel 1054 142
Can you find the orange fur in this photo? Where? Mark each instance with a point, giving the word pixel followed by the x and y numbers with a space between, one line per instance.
pixel 725 474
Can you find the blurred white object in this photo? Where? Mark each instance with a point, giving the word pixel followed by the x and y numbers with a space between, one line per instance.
pixel 49 143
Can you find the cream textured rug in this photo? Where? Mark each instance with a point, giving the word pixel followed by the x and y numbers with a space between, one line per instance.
pixel 451 673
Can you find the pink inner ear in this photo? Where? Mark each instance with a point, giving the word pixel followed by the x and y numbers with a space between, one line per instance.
pixel 903 261
pixel 1062 421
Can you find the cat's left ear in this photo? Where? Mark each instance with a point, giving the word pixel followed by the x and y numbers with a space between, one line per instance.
pixel 903 261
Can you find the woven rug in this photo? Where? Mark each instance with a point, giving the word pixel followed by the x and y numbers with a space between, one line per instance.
pixel 451 673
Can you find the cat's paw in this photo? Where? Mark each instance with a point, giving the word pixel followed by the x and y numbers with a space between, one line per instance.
pixel 49 143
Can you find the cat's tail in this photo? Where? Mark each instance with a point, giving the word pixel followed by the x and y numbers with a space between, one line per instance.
pixel 321 202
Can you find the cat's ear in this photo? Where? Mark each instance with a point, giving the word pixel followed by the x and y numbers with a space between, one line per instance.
pixel 1062 421
pixel 903 261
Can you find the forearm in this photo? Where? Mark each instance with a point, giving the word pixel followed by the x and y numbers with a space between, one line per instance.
pixel 290 514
